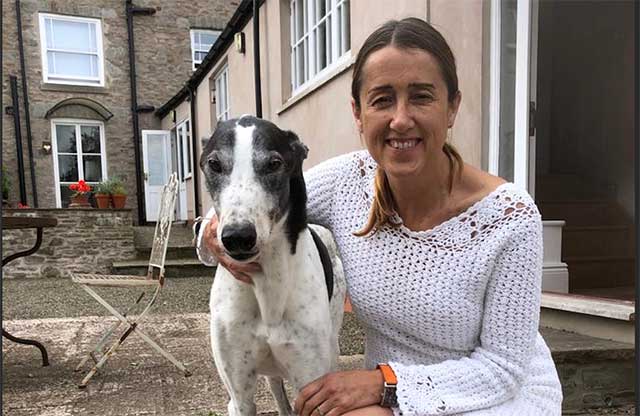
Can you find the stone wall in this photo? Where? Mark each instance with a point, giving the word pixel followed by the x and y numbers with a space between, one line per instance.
pixel 163 65
pixel 85 241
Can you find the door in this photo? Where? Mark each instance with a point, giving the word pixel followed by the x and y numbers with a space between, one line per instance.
pixel 183 166
pixel 513 83
pixel 156 151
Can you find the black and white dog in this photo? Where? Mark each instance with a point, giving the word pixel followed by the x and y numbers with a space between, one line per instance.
pixel 285 325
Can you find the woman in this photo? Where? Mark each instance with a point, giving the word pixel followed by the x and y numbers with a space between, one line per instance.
pixel 443 261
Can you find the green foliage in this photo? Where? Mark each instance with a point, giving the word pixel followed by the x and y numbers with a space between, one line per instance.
pixel 103 187
pixel 117 186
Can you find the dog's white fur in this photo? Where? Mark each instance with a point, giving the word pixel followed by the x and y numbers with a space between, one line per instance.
pixel 283 326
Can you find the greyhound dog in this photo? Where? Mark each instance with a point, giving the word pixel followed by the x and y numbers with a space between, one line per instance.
pixel 286 324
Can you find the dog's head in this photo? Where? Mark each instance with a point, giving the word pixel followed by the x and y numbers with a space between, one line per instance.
pixel 253 171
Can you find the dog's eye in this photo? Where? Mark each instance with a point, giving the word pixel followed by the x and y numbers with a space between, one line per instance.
pixel 274 164
pixel 215 165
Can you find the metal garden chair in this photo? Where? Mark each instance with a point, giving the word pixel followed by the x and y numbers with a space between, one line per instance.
pixel 154 280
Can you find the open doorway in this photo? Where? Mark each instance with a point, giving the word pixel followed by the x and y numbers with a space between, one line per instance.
pixel 584 164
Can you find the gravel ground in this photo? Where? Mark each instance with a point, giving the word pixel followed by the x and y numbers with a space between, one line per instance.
pixel 59 298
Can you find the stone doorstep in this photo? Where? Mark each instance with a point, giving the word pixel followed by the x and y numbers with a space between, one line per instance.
pixel 589 315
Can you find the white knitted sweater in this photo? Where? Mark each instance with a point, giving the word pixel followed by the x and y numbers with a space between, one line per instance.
pixel 454 309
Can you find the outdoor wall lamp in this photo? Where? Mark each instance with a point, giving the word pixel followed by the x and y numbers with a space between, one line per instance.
pixel 239 41
pixel 46 148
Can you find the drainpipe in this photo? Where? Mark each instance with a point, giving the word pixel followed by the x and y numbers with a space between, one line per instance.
pixel 194 162
pixel 27 115
pixel 18 132
pixel 256 57
pixel 131 10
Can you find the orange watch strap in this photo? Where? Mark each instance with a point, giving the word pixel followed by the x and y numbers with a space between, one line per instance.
pixel 388 374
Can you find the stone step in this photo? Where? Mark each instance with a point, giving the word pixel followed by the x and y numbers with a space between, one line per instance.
pixel 589 315
pixel 181 236
pixel 588 272
pixel 182 267
pixel 594 372
pixel 597 240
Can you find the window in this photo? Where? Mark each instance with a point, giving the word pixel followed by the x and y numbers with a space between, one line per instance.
pixel 222 94
pixel 78 153
pixel 71 49
pixel 201 42
pixel 320 35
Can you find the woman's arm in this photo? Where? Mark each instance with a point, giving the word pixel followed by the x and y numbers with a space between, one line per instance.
pixel 495 370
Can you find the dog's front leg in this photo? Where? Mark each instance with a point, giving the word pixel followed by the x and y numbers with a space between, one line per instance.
pixel 237 368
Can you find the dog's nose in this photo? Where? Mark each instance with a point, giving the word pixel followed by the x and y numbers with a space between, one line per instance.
pixel 239 237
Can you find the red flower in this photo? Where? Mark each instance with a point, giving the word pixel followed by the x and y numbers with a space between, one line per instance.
pixel 80 188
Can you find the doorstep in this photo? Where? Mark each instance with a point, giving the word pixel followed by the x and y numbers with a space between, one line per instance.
pixel 589 315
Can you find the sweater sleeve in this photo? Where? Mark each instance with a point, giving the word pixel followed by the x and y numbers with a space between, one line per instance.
pixel 204 255
pixel 496 368
pixel 322 182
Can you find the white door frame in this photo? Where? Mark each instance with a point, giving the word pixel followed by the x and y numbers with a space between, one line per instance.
pixel 525 84
pixel 151 215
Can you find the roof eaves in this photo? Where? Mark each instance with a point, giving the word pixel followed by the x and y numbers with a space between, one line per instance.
pixel 240 18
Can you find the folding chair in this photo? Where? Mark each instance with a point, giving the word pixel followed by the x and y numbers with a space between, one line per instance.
pixel 154 280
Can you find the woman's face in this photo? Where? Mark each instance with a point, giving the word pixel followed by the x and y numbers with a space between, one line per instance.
pixel 404 110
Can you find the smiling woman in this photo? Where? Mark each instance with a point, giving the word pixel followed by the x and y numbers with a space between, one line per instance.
pixel 446 269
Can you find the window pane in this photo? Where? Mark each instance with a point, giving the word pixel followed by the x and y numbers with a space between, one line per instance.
pixel 66 139
pixel 92 168
pixel 321 50
pixel 65 195
pixel 199 56
pixel 90 139
pixel 346 24
pixel 508 16
pixel 158 163
pixel 70 64
pixel 68 166
pixel 74 36
pixel 207 39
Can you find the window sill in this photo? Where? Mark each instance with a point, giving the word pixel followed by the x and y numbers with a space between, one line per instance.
pixel 317 83
pixel 46 86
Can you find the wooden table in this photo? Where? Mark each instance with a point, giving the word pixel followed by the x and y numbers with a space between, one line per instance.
pixel 18 223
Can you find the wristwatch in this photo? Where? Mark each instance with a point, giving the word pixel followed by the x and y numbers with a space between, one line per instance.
pixel 389 398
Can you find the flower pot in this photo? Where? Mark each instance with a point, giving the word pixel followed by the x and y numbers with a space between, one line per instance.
pixel 118 201
pixel 103 200
pixel 80 201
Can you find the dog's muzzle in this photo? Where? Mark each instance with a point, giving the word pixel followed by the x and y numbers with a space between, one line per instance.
pixel 239 240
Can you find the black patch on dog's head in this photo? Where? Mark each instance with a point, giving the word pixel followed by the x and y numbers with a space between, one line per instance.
pixel 278 157
pixel 216 160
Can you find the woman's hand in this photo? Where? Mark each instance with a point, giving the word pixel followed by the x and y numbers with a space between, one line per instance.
pixel 241 271
pixel 336 393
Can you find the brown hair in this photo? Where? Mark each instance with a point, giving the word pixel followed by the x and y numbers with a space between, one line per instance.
pixel 409 33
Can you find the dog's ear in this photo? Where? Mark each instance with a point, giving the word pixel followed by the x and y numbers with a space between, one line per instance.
pixel 299 149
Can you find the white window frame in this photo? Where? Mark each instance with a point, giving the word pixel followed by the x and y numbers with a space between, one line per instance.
pixel 54 145
pixel 193 33
pixel 183 138
pixel 221 85
pixel 306 39
pixel 71 79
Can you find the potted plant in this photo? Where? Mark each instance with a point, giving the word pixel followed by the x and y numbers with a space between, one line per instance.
pixel 118 193
pixel 80 197
pixel 102 194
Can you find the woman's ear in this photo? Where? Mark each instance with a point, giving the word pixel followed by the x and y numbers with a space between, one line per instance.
pixel 355 109
pixel 454 106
